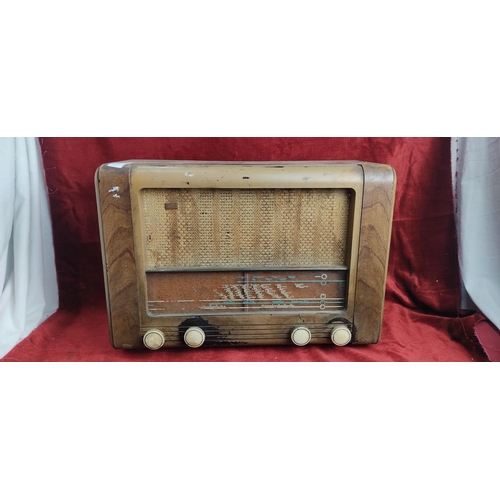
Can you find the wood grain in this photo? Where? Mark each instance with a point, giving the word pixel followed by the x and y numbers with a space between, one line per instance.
pixel 126 279
pixel 113 188
pixel 376 223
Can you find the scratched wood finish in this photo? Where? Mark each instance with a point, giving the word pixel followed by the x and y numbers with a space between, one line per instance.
pixel 125 280
pixel 376 223
pixel 113 190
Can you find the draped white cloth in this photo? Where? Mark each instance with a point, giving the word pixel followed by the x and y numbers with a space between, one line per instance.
pixel 476 174
pixel 28 286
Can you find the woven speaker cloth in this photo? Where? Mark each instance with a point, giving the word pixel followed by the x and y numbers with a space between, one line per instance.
pixel 220 228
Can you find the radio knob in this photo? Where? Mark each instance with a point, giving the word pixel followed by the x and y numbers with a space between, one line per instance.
pixel 153 339
pixel 301 336
pixel 194 336
pixel 341 335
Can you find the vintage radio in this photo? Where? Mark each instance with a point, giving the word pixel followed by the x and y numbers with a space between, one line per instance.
pixel 244 253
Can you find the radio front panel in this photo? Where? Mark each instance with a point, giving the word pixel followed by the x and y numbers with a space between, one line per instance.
pixel 240 253
pixel 264 235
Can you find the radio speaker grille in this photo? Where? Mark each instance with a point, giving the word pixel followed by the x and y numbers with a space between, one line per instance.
pixel 223 228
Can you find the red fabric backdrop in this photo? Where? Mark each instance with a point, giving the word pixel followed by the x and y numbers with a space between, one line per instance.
pixel 421 321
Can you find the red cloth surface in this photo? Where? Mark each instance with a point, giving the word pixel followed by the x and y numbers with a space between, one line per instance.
pixel 489 338
pixel 421 321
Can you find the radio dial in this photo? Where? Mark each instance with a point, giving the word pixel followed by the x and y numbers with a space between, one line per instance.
pixel 301 336
pixel 341 335
pixel 153 339
pixel 194 336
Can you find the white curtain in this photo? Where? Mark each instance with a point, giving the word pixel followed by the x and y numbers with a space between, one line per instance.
pixel 476 176
pixel 28 286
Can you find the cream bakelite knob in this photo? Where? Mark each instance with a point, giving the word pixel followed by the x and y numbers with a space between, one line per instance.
pixel 301 336
pixel 194 336
pixel 341 335
pixel 153 339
